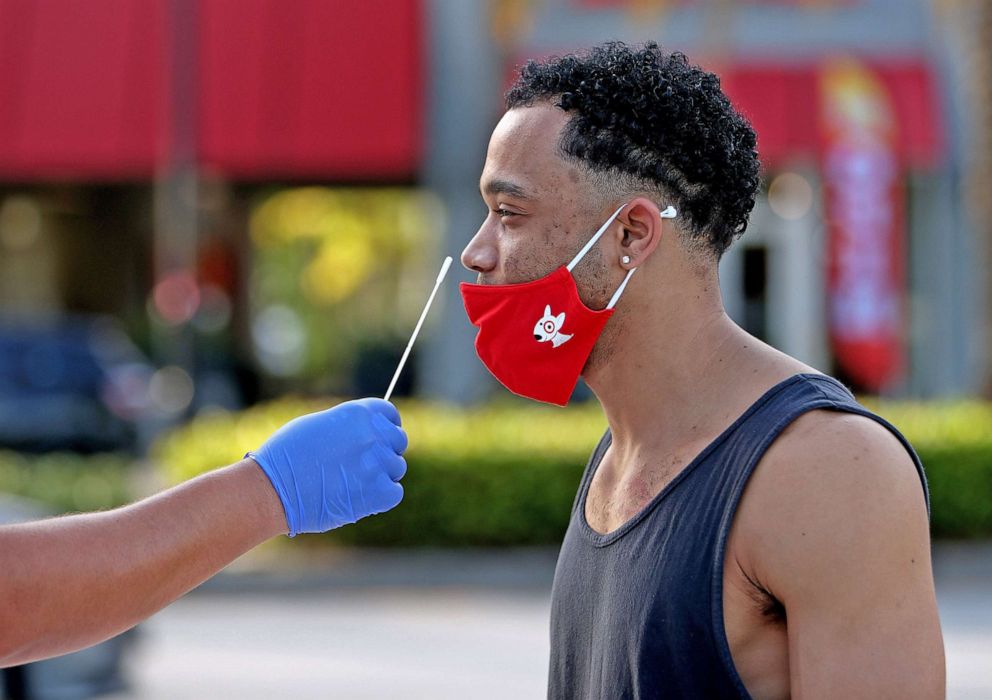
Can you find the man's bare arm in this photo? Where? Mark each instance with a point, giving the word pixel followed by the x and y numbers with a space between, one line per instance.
pixel 843 542
pixel 74 581
pixel 70 582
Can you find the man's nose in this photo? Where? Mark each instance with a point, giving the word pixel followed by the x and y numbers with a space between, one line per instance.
pixel 480 254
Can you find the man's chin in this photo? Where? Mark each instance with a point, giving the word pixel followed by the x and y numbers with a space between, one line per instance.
pixel 491 281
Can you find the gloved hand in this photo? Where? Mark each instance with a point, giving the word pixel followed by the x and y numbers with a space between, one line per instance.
pixel 334 467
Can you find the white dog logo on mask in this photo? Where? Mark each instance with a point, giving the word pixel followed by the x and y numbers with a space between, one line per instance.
pixel 549 327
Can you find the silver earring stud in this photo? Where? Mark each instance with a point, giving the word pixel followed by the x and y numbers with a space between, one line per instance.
pixel 625 260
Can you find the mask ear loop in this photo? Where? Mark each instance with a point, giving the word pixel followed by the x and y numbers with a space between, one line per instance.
pixel 669 213
pixel 596 237
pixel 623 285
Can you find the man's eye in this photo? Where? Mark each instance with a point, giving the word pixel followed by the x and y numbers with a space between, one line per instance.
pixel 501 213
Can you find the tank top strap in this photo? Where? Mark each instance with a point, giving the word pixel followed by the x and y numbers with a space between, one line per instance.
pixel 838 397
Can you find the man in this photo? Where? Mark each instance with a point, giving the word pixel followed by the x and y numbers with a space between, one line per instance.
pixel 74 581
pixel 745 528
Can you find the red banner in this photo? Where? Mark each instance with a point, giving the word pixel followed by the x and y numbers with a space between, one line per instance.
pixel 664 4
pixel 865 225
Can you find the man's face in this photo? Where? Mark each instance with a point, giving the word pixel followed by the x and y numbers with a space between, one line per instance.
pixel 540 207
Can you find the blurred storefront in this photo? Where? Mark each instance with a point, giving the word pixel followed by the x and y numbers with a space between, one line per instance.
pixel 259 189
pixel 154 156
pixel 862 257
pixel 824 271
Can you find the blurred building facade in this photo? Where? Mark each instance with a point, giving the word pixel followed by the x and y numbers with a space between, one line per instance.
pixel 867 251
pixel 254 186
pixel 138 140
pixel 863 256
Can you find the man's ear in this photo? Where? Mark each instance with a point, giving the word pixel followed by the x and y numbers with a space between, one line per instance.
pixel 641 230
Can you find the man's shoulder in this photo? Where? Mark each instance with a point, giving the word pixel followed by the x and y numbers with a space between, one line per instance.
pixel 840 448
pixel 835 452
pixel 839 456
pixel 832 484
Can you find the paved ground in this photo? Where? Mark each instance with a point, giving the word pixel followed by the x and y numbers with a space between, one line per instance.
pixel 964 592
pixel 436 626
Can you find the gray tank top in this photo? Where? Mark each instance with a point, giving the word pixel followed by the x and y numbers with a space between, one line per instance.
pixel 638 613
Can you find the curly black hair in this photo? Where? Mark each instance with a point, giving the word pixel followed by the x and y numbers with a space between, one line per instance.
pixel 646 120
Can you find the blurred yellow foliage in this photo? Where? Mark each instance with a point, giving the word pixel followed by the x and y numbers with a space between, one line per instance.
pixel 337 269
pixel 342 261
pixel 350 228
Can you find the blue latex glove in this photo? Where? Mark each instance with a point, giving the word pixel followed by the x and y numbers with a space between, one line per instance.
pixel 334 467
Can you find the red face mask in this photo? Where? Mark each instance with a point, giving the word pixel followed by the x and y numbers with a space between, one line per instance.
pixel 535 337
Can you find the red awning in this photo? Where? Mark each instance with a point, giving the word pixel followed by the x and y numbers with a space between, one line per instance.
pixel 82 88
pixel 307 89
pixel 782 101
pixel 311 88
pixel 783 104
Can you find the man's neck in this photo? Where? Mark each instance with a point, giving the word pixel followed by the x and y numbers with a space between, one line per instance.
pixel 679 374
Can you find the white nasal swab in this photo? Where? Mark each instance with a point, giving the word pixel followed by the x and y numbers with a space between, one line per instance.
pixel 416 330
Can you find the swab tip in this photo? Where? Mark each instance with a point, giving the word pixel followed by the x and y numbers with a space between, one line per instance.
pixel 444 268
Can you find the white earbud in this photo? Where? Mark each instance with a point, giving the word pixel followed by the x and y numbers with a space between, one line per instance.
pixel 625 260
pixel 669 213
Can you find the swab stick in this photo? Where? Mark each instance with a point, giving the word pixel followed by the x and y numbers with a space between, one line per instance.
pixel 416 330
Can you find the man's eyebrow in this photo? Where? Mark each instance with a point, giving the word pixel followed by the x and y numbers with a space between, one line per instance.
pixel 492 187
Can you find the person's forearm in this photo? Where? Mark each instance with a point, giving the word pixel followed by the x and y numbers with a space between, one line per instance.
pixel 75 581
pixel 70 582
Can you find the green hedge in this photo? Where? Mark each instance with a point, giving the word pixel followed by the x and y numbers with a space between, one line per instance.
pixel 954 441
pixel 507 474
pixel 66 482
pixel 499 475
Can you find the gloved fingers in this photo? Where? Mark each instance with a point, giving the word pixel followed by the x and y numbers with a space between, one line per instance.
pixel 392 413
pixel 390 495
pixel 383 408
pixel 395 467
pixel 395 437
pixel 383 459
